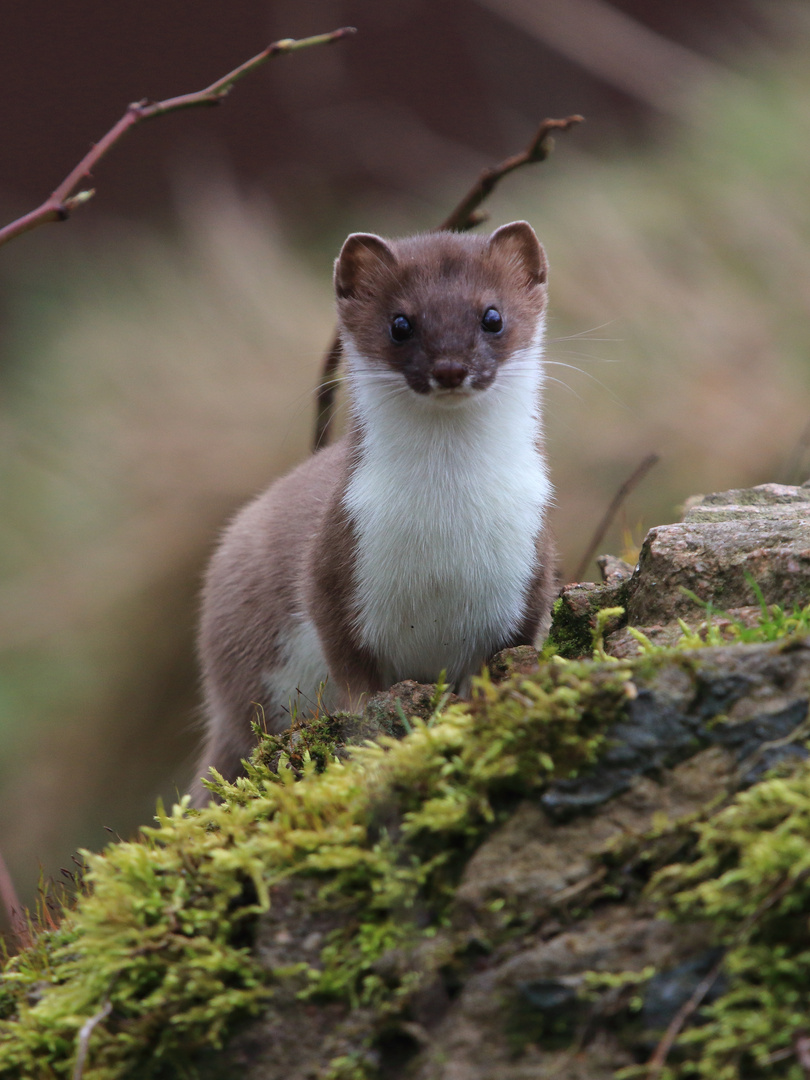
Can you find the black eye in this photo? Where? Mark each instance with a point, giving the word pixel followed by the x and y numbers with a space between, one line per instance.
pixel 492 321
pixel 401 328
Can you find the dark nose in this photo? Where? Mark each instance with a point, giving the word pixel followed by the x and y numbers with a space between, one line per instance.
pixel 449 373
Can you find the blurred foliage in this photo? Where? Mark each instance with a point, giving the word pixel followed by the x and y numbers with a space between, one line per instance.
pixel 149 385
pixel 691 265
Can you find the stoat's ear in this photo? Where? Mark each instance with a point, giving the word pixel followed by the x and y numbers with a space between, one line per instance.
pixel 361 257
pixel 518 243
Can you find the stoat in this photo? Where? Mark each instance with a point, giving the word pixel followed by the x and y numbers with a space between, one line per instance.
pixel 417 544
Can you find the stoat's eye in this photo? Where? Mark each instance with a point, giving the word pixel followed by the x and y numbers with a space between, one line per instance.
pixel 401 328
pixel 492 321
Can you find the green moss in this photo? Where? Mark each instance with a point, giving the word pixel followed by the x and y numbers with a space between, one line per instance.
pixel 320 740
pixel 581 618
pixel 751 879
pixel 720 628
pixel 372 841
pixel 743 870
pixel 587 614
pixel 350 1067
pixel 164 937
pixel 773 623
pixel 569 635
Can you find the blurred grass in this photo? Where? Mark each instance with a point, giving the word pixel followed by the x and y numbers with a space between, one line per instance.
pixel 151 390
pixel 695 260
pixel 151 384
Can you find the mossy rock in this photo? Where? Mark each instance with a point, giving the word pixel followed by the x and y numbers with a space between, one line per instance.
pixel 472 898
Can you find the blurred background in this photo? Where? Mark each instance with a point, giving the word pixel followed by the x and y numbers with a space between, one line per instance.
pixel 158 353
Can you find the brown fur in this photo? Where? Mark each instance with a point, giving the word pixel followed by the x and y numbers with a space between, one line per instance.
pixel 253 584
pixel 291 551
pixel 372 288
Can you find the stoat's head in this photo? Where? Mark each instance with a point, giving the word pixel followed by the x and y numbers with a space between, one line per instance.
pixel 446 311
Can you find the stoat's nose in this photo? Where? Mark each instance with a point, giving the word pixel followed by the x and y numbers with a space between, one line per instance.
pixel 449 374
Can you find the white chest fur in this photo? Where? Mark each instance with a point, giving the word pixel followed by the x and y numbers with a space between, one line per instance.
pixel 447 502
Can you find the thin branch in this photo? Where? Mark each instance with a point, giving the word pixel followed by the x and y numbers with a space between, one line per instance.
pixel 325 400
pixel 659 1058
pixel 630 483
pixel 8 897
pixel 63 201
pixel 84 1039
pixel 802 1048
pixel 465 216
pixel 797 458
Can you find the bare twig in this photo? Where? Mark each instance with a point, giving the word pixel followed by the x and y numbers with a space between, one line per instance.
pixel 8 896
pixel 465 216
pixel 659 1058
pixel 802 1047
pixel 798 458
pixel 630 483
pixel 325 401
pixel 84 1038
pixel 797 736
pixel 780 1055
pixel 63 201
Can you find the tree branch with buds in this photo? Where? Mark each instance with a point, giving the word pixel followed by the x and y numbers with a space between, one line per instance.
pixel 65 199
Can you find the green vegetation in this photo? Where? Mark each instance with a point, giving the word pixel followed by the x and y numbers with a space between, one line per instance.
pixel 369 844
pixel 164 938
pixel 720 628
pixel 747 872
pixel 153 381
pixel 744 869
pixel 137 395
pixel 578 633
pixel 751 879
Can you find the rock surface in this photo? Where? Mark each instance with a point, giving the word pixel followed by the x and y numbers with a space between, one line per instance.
pixel 553 894
pixel 725 539
pixel 486 893
pixel 726 542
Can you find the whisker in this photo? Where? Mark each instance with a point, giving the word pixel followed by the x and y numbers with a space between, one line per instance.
pixel 570 367
pixel 585 333
pixel 590 357
pixel 589 375
pixel 565 386
pixel 324 435
pixel 517 368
